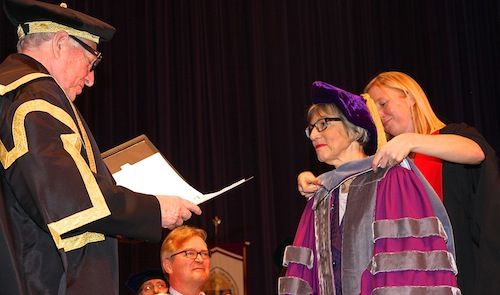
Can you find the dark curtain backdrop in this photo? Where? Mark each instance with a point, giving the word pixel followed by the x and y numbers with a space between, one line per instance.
pixel 221 88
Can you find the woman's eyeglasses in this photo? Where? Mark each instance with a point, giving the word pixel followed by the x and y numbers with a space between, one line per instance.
pixel 320 125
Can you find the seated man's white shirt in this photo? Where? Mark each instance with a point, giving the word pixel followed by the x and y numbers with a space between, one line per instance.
pixel 172 291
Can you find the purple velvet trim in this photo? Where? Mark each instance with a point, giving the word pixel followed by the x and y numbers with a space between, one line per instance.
pixel 352 106
pixel 304 238
pixel 406 199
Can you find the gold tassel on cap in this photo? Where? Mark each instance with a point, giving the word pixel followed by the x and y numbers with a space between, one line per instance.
pixel 372 108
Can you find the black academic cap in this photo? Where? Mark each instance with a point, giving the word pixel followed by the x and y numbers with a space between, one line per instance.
pixel 39 17
pixel 135 281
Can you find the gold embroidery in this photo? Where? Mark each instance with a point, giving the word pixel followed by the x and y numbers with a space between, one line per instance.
pixel 6 88
pixel 20 142
pixel 81 240
pixel 72 144
pixel 19 132
pixel 51 27
pixel 88 146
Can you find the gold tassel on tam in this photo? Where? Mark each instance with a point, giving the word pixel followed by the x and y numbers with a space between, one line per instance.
pixel 372 108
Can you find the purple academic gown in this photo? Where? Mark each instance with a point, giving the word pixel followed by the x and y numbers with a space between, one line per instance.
pixel 396 237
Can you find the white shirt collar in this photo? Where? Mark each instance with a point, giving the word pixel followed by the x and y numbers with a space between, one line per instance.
pixel 172 291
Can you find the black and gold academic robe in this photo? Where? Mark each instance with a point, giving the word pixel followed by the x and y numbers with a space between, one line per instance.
pixel 60 210
pixel 471 196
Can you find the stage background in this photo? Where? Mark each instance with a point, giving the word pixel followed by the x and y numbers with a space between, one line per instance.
pixel 221 88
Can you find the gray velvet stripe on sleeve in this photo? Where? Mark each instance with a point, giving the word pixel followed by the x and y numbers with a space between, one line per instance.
pixel 417 290
pixel 300 255
pixel 408 227
pixel 293 286
pixel 413 260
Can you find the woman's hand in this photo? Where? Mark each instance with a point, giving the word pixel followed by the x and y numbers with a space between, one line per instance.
pixel 394 151
pixel 307 183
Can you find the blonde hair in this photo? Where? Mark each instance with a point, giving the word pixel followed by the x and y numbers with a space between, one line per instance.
pixel 176 238
pixel 424 119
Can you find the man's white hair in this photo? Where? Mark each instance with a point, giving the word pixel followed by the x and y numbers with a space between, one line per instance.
pixel 31 41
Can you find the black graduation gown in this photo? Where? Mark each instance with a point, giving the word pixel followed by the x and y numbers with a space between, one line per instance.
pixel 472 199
pixel 60 210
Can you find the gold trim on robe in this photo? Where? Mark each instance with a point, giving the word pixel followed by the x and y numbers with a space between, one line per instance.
pixel 72 144
pixel 25 79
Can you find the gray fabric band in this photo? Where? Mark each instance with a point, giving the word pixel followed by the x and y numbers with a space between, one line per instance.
pixel 322 232
pixel 413 260
pixel 293 286
pixel 408 227
pixel 300 255
pixel 358 230
pixel 417 290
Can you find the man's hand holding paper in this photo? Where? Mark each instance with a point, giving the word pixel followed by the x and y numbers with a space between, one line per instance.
pixel 175 210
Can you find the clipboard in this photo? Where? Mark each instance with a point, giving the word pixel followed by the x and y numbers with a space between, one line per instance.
pixel 139 166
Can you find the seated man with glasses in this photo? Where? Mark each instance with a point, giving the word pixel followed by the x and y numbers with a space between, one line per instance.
pixel 186 259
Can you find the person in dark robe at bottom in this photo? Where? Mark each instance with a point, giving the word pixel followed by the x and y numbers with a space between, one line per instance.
pixel 366 232
pixel 152 281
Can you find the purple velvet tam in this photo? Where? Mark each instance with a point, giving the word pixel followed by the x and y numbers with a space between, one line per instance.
pixel 352 106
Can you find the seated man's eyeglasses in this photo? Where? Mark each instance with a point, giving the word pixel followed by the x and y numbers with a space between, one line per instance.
pixel 320 125
pixel 192 254
pixel 97 54
pixel 149 288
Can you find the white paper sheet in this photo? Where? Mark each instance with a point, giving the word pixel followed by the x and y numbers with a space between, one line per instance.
pixel 154 175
